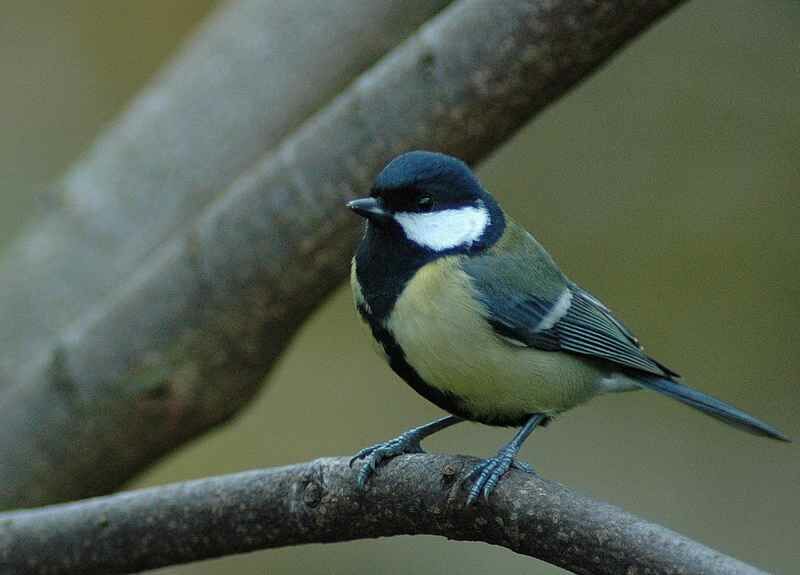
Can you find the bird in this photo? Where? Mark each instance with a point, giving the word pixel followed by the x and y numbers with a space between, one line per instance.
pixel 470 310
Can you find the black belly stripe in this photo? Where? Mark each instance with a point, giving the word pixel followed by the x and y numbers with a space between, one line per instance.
pixel 397 361
pixel 382 274
pixel 445 400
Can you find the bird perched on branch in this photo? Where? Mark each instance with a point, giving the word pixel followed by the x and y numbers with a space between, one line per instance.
pixel 475 315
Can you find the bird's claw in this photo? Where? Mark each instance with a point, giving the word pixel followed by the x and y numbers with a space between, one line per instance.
pixel 490 471
pixel 377 454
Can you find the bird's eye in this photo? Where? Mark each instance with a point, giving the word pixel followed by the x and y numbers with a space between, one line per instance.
pixel 424 203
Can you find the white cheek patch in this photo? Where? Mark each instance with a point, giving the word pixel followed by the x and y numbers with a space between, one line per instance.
pixel 445 229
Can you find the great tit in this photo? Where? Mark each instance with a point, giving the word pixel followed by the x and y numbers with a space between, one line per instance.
pixel 475 316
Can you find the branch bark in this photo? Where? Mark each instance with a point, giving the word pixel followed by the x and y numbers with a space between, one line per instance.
pixel 252 74
pixel 319 502
pixel 183 342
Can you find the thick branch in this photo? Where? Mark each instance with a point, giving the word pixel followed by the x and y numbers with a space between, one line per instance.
pixel 319 502
pixel 188 339
pixel 253 73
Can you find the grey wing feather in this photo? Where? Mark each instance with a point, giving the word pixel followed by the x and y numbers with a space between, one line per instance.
pixel 589 328
pixel 583 326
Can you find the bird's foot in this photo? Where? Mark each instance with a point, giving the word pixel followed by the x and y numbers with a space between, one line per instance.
pixel 489 472
pixel 408 442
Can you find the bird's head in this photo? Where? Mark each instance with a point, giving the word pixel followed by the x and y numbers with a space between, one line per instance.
pixel 431 203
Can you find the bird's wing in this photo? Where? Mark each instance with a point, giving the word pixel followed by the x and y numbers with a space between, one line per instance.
pixel 547 311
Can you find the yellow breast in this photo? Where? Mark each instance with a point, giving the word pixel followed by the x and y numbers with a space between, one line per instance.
pixel 442 329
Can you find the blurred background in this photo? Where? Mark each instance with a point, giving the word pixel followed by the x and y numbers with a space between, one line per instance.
pixel 668 184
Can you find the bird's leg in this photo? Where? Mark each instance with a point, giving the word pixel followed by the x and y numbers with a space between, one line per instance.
pixel 408 442
pixel 490 471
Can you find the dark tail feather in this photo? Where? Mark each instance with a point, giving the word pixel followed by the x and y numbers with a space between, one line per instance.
pixel 712 406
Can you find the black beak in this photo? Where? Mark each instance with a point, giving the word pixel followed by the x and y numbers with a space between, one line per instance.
pixel 369 208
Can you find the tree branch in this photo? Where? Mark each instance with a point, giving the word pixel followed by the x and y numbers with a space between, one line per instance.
pixel 230 95
pixel 250 75
pixel 188 338
pixel 319 502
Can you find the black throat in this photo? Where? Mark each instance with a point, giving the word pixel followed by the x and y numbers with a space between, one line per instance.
pixel 384 267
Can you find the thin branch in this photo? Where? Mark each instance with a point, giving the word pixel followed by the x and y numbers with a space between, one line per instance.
pixel 319 502
pixel 188 339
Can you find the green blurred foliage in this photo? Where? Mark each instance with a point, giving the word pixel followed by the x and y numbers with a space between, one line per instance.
pixel 667 184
